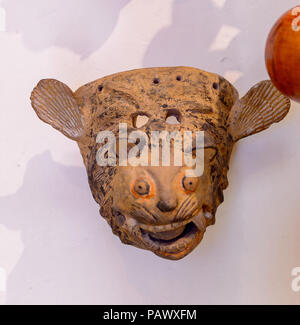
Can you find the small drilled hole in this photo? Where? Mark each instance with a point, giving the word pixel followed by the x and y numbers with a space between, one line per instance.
pixel 215 85
pixel 173 117
pixel 178 78
pixel 139 120
pixel 172 120
pixel 156 81
pixel 100 88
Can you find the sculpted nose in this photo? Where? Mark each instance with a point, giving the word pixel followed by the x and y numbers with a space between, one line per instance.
pixel 167 204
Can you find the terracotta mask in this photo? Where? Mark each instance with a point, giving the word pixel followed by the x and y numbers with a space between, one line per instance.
pixel 159 208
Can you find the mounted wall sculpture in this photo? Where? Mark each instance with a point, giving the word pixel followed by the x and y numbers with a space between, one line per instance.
pixel 159 208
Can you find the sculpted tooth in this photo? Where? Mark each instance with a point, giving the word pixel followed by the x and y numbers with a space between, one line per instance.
pixel 208 215
pixel 157 228
pixel 131 223
pixel 148 228
pixel 166 228
pixel 162 228
pixel 199 221
pixel 179 224
pixel 145 227
pixel 173 226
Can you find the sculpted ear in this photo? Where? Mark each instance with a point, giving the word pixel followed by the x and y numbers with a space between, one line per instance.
pixel 55 104
pixel 262 106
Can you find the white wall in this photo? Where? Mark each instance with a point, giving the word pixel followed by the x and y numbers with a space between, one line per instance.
pixel 54 246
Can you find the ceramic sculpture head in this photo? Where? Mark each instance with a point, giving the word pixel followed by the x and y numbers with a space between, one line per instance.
pixel 159 208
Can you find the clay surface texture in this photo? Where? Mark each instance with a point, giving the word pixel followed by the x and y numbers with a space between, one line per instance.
pixel 159 208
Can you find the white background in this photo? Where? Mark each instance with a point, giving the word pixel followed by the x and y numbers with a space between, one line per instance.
pixel 54 246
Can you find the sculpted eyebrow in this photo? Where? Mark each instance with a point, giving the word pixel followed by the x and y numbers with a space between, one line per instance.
pixel 197 108
pixel 122 94
pixel 215 154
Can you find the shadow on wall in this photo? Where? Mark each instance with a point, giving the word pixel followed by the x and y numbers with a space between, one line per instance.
pixel 71 256
pixel 81 26
pixel 62 233
pixel 227 37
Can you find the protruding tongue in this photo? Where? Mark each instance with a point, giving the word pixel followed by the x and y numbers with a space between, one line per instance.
pixel 167 235
pixel 200 222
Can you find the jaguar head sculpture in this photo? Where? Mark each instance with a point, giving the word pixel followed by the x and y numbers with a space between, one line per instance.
pixel 161 208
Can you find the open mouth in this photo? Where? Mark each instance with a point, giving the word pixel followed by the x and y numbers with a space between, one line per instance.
pixel 170 237
pixel 175 240
pixel 172 241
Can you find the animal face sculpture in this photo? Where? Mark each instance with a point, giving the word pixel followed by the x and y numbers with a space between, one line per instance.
pixel 159 208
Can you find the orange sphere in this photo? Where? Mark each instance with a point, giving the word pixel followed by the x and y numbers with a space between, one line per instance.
pixel 283 54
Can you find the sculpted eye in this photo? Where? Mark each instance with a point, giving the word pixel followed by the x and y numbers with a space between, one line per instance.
pixel 190 183
pixel 142 187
